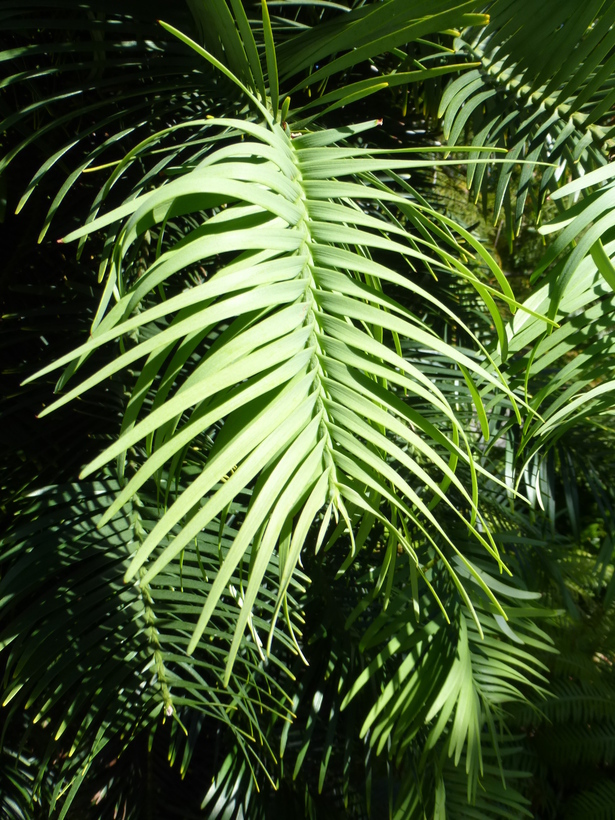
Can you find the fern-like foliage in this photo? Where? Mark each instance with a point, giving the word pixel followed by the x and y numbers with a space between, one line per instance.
pixel 99 641
pixel 307 562
pixel 293 327
pixel 542 88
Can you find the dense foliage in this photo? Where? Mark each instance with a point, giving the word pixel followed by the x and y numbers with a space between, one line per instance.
pixel 320 521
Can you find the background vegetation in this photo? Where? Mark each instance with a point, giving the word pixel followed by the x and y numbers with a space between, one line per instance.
pixel 320 521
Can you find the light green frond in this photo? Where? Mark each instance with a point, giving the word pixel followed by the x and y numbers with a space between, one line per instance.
pixel 278 324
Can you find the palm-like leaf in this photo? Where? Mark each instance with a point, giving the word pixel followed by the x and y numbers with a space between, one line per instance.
pixel 567 373
pixel 449 678
pixel 318 370
pixel 99 59
pixel 72 611
pixel 543 88
pixel 293 327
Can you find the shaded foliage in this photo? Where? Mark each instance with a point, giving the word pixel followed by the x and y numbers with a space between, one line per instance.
pixel 341 542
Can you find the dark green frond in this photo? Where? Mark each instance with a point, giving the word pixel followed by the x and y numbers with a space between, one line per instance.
pixel 543 90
